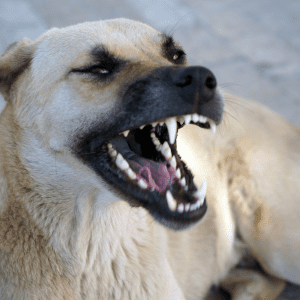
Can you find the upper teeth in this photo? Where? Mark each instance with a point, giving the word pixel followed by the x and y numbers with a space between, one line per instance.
pixel 171 124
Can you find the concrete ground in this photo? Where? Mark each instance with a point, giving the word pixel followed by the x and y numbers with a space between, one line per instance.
pixel 253 47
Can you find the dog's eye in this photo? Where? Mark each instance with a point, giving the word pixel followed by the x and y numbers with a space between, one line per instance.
pixel 178 55
pixel 98 70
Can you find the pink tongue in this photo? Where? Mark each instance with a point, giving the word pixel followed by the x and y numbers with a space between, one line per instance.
pixel 156 175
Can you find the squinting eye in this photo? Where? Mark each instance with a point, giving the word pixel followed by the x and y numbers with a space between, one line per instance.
pixel 99 70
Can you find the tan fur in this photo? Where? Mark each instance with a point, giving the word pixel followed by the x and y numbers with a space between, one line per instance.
pixel 65 235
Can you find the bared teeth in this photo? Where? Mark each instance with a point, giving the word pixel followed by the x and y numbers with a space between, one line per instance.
pixel 181 120
pixel 166 151
pixel 187 207
pixel 130 174
pixel 173 162
pixel 178 173
pixel 112 152
pixel 180 208
pixel 142 184
pixel 121 163
pixel 126 133
pixel 183 181
pixel 155 140
pixel 212 125
pixel 171 201
pixel 187 119
pixel 202 191
pixel 202 119
pixel 171 124
pixel 195 118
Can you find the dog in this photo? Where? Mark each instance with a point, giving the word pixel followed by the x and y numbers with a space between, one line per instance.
pixel 115 186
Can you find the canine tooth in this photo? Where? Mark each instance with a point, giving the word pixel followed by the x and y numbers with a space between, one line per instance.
pixel 183 181
pixel 161 123
pixel 212 126
pixel 202 191
pixel 172 129
pixel 173 162
pixel 180 208
pixel 178 173
pixel 154 124
pixel 125 133
pixel 121 162
pixel 112 152
pixel 142 184
pixel 171 201
pixel 186 188
pixel 109 146
pixel 195 118
pixel 187 119
pixel 201 201
pixel 141 127
pixel 152 134
pixel 130 174
pixel 187 206
pixel 202 119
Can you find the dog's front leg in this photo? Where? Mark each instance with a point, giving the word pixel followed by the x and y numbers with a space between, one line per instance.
pixel 247 284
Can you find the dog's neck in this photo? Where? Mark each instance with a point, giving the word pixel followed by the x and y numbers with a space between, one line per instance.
pixel 78 235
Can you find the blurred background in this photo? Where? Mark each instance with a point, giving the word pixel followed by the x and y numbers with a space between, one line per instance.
pixel 253 47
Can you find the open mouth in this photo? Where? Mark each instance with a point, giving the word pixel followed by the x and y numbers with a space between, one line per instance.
pixel 146 158
pixel 135 152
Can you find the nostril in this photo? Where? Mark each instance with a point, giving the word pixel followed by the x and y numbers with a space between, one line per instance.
pixel 211 82
pixel 184 81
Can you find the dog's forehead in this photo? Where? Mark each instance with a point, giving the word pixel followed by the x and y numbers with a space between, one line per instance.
pixel 119 36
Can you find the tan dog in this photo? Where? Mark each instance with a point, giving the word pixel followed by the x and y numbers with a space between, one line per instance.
pixel 89 213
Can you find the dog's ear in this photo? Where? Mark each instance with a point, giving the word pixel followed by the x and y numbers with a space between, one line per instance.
pixel 13 62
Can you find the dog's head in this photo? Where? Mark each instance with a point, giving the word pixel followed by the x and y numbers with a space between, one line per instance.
pixel 113 94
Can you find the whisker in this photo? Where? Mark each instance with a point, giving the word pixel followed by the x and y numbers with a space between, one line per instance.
pixel 234 102
pixel 235 118
pixel 172 30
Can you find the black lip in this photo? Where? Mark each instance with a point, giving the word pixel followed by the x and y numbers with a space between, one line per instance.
pixel 153 201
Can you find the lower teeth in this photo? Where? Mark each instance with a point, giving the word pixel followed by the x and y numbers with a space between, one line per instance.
pixel 123 165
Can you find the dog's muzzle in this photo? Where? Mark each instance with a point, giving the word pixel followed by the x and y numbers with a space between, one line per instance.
pixel 136 152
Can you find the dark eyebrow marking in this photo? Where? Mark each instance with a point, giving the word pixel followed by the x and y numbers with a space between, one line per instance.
pixel 169 49
pixel 167 42
pixel 100 54
pixel 101 59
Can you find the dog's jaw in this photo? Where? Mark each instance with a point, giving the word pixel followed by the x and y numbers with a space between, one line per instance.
pixel 136 150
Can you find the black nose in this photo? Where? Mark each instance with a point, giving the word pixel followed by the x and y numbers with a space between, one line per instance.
pixel 195 80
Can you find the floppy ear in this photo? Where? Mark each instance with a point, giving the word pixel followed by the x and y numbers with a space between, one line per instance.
pixel 13 62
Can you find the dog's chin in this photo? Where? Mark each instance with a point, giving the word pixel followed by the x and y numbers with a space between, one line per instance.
pixel 142 166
